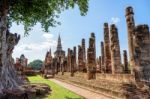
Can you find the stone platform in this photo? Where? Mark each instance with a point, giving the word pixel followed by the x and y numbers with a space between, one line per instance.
pixel 123 88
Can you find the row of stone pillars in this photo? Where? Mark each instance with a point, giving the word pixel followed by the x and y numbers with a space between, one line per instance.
pixel 110 59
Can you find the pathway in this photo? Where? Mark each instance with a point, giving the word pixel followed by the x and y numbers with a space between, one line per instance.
pixel 80 91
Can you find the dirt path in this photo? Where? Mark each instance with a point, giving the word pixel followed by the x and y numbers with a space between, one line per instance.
pixel 80 91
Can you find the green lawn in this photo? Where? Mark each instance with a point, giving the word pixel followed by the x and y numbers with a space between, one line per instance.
pixel 58 92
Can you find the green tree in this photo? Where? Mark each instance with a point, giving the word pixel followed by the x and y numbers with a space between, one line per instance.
pixel 28 13
pixel 36 64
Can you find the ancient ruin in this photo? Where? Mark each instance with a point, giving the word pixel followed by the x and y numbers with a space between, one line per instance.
pixel 130 27
pixel 125 60
pixel 103 68
pixel 141 39
pixel 48 67
pixel 82 56
pixel 107 73
pixel 91 58
pixel 115 50
pixel 107 54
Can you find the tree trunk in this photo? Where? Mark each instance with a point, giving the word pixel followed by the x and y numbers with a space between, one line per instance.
pixel 8 75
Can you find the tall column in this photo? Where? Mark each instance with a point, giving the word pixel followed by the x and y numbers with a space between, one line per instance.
pixel 107 54
pixel 84 54
pixel 91 57
pixel 102 57
pixel 115 50
pixel 75 57
pixel 100 65
pixel 130 27
pixel 125 59
pixel 68 60
pixel 80 58
pixel 72 63
pixel 142 53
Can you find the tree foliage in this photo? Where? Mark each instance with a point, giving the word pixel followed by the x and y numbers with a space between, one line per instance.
pixel 29 12
pixel 36 64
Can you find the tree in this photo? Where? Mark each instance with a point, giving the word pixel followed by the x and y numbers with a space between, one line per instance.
pixel 27 12
pixel 36 64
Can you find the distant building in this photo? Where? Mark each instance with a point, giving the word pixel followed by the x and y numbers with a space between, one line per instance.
pixel 59 52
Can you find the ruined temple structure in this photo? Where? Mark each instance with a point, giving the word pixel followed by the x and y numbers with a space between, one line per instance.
pixel 72 66
pixel 139 47
pixel 82 56
pixel 21 63
pixel 59 55
pixel 115 50
pixel 91 58
pixel 75 58
pixel 125 60
pixel 100 64
pixel 130 27
pixel 102 58
pixel 48 67
pixel 107 74
pixel 107 54
pixel 141 39
pixel 68 60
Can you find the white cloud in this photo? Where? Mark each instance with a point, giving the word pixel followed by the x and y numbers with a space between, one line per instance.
pixel 47 42
pixel 115 20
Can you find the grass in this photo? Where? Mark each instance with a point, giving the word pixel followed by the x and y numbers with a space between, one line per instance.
pixel 58 92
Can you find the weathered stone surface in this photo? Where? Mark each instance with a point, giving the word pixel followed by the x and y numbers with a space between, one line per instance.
pixel 91 58
pixel 48 68
pixel 130 27
pixel 84 54
pixel 81 63
pixel 102 58
pixel 125 59
pixel 115 50
pixel 107 54
pixel 141 40
pixel 68 60
pixel 100 64
pixel 72 63
pixel 75 57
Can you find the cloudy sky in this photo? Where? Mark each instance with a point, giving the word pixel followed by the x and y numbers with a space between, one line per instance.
pixel 75 27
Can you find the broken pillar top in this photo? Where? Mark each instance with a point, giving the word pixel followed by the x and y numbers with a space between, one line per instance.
pixel 142 30
pixel 113 27
pixel 129 10
pixel 105 25
pixel 92 35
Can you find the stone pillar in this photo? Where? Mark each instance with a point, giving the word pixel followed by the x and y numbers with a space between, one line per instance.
pixel 75 57
pixel 102 58
pixel 80 58
pixel 107 54
pixel 141 40
pixel 115 50
pixel 100 67
pixel 84 54
pixel 91 57
pixel 125 59
pixel 72 63
pixel 68 60
pixel 130 27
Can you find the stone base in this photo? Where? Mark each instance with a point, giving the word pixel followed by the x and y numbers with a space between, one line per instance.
pixel 119 86
pixel 26 92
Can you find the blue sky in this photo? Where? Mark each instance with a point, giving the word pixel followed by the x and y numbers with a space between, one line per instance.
pixel 75 27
